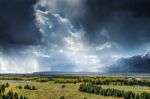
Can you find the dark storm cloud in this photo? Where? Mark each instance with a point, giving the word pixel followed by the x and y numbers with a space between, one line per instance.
pixel 127 22
pixel 134 64
pixel 17 26
pixel 80 35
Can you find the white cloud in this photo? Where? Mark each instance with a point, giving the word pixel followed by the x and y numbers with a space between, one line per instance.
pixel 39 54
pixel 72 8
pixel 80 53
pixel 73 47
pixel 104 46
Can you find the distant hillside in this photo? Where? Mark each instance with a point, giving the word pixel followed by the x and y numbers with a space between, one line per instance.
pixel 135 64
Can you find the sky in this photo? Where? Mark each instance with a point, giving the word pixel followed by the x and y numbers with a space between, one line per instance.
pixel 74 35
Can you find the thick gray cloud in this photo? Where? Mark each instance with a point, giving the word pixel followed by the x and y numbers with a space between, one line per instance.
pixel 127 22
pixel 71 35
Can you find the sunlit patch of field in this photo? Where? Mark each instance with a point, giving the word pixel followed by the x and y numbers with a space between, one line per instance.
pixel 51 90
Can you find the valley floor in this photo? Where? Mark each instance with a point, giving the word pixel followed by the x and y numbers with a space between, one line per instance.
pixel 51 90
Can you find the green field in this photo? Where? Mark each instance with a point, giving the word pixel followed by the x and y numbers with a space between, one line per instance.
pixel 49 89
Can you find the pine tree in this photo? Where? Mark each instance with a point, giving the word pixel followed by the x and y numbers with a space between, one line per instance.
pixel 16 96
pixel 20 87
pixel 33 88
pixel 7 84
pixel 21 97
pixel 62 97
pixel 63 86
pixel 137 97
pixel 3 88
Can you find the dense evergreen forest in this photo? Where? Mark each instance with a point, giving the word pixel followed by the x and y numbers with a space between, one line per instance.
pixel 112 92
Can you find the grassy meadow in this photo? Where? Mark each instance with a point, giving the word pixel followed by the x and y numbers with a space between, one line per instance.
pixel 52 89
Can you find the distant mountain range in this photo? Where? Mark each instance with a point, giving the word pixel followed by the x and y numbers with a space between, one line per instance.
pixel 134 64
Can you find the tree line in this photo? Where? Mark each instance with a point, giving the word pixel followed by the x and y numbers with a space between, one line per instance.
pixel 28 87
pixel 89 88
pixel 102 81
pixel 121 82
pixel 66 81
